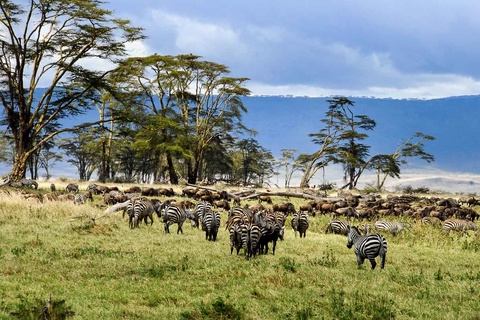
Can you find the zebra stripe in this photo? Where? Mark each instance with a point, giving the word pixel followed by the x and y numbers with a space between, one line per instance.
pixel 174 214
pixel 393 227
pixel 140 209
pixel 338 226
pixel 251 235
pixel 300 223
pixel 458 225
pixel 211 224
pixel 367 247
pixel 273 231
pixel 235 237
pixel 200 209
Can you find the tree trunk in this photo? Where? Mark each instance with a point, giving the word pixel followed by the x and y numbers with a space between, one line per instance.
pixel 19 167
pixel 171 170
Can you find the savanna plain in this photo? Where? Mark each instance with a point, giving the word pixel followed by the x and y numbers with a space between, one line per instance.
pixel 82 263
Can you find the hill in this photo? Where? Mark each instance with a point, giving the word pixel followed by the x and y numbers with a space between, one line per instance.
pixel 285 122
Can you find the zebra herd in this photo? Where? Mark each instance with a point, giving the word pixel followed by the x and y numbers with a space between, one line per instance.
pixel 253 230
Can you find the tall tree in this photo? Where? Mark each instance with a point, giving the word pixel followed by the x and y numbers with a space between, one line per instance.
pixel 50 44
pixel 351 152
pixel 389 165
pixel 327 138
pixel 196 100
pixel 288 162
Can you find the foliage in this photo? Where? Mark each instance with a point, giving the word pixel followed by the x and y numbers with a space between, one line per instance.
pixel 52 39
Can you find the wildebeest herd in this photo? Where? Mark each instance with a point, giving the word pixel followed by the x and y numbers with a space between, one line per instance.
pixel 257 224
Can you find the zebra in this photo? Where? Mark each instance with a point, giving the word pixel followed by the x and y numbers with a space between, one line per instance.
pixel 393 227
pixel 458 225
pixel 139 209
pixel 211 224
pixel 82 198
pixel 235 237
pixel 29 183
pixel 174 214
pixel 338 226
pixel 72 187
pixel 200 209
pixel 367 247
pixel 274 230
pixel 300 223
pixel 251 234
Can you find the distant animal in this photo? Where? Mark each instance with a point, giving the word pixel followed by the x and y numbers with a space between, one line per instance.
pixel 338 226
pixel 300 223
pixel 367 247
pixel 211 224
pixel 458 225
pixel 29 183
pixel 72 187
pixel 393 227
pixel 173 214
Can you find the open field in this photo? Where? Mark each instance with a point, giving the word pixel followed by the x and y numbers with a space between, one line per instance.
pixel 105 270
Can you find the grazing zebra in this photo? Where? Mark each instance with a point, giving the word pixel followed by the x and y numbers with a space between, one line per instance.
pixel 235 237
pixel 458 225
pixel 140 209
pixel 200 209
pixel 338 226
pixel 251 235
pixel 273 231
pixel 29 183
pixel 82 198
pixel 174 214
pixel 211 224
pixel 431 221
pixel 393 227
pixel 72 187
pixel 300 223
pixel 367 247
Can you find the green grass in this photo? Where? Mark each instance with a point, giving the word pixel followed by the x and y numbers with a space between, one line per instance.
pixel 53 254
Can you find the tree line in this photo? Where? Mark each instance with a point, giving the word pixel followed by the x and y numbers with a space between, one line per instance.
pixel 160 117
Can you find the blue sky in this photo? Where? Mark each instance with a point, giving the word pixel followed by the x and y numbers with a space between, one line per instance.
pixel 400 49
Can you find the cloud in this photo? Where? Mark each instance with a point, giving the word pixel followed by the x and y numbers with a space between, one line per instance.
pixel 203 38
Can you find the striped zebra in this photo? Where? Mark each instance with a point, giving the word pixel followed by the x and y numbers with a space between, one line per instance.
pixel 82 198
pixel 200 209
pixel 273 231
pixel 458 225
pixel 392 227
pixel 337 226
pixel 251 235
pixel 434 221
pixel 174 214
pixel 367 247
pixel 211 224
pixel 139 209
pixel 300 223
pixel 235 237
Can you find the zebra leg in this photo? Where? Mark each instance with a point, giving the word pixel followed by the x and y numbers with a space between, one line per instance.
pixel 360 259
pixel 373 262
pixel 382 260
pixel 180 224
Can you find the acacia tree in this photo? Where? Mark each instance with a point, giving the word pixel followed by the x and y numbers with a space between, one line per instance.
pixel 327 138
pixel 195 101
pixel 48 44
pixel 389 165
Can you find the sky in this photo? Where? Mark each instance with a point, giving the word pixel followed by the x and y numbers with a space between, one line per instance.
pixel 400 49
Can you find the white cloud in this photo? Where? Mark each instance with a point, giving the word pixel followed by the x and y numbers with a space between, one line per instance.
pixel 199 37
pixel 422 87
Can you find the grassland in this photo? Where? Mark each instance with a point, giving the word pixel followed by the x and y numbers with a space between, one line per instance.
pixel 53 252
